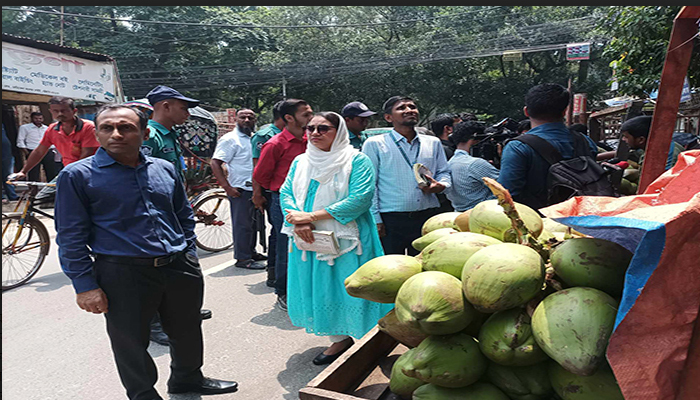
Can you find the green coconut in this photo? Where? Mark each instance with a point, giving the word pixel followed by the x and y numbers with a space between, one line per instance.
pixel 502 276
pixel 475 326
pixel 592 262
pixel 380 278
pixel 462 221
pixel 432 301
pixel 488 218
pixel 407 334
pixel 399 383
pixel 506 338
pixel 477 391
pixel 602 385
pixel 521 383
pixel 449 253
pixel 442 220
pixel 573 327
pixel 450 361
pixel 423 241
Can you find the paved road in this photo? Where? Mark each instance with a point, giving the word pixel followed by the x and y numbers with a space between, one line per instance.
pixel 52 350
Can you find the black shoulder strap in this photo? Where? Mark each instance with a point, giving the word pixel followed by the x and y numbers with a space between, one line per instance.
pixel 542 147
pixel 581 147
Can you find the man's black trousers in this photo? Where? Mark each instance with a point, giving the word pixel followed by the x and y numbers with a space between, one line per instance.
pixel 134 294
pixel 402 228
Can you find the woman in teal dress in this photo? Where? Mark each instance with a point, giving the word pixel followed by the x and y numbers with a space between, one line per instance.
pixel 330 188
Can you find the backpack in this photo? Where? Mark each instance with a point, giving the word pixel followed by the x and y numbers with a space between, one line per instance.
pixel 577 176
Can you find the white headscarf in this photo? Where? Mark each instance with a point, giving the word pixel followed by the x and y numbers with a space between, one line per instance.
pixel 332 170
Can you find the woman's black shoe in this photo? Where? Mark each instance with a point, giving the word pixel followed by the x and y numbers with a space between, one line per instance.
pixel 322 359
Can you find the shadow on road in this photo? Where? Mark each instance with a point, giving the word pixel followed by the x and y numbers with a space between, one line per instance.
pixel 45 283
pixel 300 370
pixel 275 317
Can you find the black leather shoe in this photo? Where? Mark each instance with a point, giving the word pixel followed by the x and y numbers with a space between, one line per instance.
pixel 207 386
pixel 249 264
pixel 322 359
pixel 259 257
pixel 159 337
pixel 204 313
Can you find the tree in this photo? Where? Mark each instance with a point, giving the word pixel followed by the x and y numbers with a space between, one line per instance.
pixel 637 50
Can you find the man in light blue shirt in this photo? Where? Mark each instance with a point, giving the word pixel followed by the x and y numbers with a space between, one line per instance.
pixel 468 188
pixel 400 206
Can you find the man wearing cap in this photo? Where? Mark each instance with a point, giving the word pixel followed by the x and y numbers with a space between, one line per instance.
pixel 170 108
pixel 356 116
pixel 400 206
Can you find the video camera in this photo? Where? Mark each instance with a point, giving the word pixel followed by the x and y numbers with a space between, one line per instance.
pixel 493 136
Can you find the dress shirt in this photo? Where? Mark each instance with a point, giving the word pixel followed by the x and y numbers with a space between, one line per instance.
pixel 468 189
pixel 524 171
pixel 119 210
pixel 29 136
pixel 276 158
pixel 234 149
pixel 397 189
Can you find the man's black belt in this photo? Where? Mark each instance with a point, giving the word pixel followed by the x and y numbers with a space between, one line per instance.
pixel 412 214
pixel 145 261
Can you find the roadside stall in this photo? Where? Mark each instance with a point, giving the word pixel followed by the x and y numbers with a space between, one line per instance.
pixel 565 333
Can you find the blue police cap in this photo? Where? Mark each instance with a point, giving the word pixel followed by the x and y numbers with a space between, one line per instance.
pixel 160 93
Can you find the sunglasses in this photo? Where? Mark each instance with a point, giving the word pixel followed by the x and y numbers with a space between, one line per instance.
pixel 322 129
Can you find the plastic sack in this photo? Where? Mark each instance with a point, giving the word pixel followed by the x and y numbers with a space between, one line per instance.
pixel 655 348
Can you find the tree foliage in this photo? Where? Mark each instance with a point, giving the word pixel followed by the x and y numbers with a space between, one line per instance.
pixel 449 58
pixel 638 45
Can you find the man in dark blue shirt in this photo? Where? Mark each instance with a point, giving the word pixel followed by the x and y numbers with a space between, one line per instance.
pixel 523 170
pixel 125 232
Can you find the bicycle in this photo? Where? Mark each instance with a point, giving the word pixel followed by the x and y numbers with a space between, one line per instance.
pixel 25 239
pixel 212 215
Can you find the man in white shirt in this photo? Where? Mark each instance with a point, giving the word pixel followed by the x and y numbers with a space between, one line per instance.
pixel 234 150
pixel 28 138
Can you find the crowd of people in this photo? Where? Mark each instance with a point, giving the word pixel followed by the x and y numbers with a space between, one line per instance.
pixel 125 228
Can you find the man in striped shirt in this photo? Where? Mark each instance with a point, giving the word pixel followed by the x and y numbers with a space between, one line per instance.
pixel 400 206
pixel 468 189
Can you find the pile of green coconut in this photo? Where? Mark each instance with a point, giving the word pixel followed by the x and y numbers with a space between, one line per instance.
pixel 499 304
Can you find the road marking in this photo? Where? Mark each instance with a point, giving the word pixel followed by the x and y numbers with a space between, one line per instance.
pixel 218 268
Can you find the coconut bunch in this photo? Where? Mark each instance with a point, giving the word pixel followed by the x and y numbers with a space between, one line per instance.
pixel 499 304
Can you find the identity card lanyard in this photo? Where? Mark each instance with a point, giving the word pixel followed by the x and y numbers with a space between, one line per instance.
pixel 403 153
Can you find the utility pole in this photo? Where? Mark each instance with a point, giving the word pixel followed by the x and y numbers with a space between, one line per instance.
pixel 61 25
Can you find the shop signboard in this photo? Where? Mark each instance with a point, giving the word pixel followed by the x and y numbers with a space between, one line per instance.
pixel 37 71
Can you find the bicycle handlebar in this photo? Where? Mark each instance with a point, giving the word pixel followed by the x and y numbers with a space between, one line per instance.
pixel 29 183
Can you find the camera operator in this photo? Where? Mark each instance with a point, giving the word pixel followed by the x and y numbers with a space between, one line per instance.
pixel 490 142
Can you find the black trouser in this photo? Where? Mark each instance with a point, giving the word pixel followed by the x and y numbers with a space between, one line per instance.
pixel 50 168
pixel 402 228
pixel 134 294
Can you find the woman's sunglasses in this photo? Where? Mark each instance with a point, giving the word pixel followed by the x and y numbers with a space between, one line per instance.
pixel 322 129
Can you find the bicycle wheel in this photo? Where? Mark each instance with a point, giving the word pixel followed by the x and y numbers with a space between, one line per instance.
pixel 212 215
pixel 21 259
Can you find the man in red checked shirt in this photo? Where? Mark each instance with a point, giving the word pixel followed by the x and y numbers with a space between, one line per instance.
pixel 271 170
pixel 73 137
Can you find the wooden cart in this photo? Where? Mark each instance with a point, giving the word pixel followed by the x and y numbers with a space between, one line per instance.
pixel 361 373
